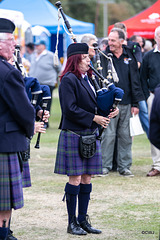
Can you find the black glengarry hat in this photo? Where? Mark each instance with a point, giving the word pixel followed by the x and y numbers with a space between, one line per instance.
pixel 6 26
pixel 77 48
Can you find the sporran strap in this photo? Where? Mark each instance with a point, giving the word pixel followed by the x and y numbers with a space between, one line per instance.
pixel 80 135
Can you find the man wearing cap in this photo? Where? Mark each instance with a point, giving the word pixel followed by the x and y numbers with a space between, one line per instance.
pixel 45 68
pixel 16 123
pixel 30 53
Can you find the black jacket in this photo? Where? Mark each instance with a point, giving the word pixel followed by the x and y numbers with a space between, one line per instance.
pixel 16 111
pixel 154 129
pixel 78 103
pixel 150 72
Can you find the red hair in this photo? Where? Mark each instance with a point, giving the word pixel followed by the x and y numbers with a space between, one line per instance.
pixel 72 65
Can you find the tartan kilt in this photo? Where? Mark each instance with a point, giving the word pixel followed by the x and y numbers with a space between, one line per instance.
pixel 68 160
pixel 11 192
pixel 26 178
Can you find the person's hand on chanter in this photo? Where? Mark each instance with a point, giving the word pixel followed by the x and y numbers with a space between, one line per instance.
pixel 45 116
pixel 103 121
pixel 114 113
pixel 39 127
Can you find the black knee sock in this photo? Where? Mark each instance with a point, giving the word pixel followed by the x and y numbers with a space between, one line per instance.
pixel 71 200
pixel 83 201
pixel 9 224
pixel 3 233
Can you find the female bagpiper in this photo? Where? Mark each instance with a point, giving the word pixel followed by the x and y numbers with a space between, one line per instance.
pixel 79 107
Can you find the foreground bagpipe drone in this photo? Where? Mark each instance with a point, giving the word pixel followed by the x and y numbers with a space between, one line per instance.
pixel 32 85
pixel 108 95
pixel 39 95
pixel 43 101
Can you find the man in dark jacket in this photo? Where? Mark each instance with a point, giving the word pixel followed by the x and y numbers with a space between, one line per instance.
pixel 154 130
pixel 127 70
pixel 150 78
pixel 16 123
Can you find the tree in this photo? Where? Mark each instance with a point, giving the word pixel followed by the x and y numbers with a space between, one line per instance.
pixel 120 11
pixel 92 11
pixel 139 5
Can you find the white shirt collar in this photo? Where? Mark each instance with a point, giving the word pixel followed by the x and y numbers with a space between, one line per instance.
pixel 83 75
pixel 93 89
pixel 156 49
pixel 42 54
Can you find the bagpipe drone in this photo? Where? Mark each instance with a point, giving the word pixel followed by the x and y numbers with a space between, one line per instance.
pixel 39 95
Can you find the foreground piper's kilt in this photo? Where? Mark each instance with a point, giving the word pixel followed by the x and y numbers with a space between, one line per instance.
pixel 11 192
pixel 68 160
pixel 26 177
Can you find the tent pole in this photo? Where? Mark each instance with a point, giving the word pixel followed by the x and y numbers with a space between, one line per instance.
pixel 105 16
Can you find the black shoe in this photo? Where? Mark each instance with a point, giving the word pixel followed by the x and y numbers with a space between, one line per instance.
pixel 74 228
pixel 85 225
pixel 10 236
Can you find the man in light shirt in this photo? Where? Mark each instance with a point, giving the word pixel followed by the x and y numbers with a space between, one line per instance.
pixel 45 68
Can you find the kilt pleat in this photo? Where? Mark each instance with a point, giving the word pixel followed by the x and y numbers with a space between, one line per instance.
pixel 68 160
pixel 11 192
pixel 26 178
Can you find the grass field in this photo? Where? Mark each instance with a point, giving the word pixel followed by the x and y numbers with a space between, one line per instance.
pixel 123 208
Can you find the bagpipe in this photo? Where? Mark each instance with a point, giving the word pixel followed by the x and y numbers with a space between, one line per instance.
pixel 39 95
pixel 60 10
pixel 108 95
pixel 32 85
pixel 43 102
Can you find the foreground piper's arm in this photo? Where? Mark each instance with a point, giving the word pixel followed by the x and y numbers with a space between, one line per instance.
pixel 20 118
